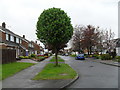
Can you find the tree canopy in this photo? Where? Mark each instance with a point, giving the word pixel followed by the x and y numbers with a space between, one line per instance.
pixel 54 28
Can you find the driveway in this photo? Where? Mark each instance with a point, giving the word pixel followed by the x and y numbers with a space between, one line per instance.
pixel 93 74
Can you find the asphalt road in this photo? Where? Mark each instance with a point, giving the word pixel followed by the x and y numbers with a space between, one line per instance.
pixel 93 74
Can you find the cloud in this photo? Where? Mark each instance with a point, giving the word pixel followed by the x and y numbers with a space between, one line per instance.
pixel 22 15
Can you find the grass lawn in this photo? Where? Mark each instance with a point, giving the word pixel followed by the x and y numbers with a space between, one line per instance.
pixel 12 68
pixel 0 71
pixel 59 59
pixel 63 71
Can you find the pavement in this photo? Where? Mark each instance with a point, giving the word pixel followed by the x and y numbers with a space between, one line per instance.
pixel 23 79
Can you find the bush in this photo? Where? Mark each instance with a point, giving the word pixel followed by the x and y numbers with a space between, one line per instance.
pixel 46 56
pixel 118 58
pixel 105 57
pixel 24 57
pixel 40 58
pixel 21 57
pixel 96 56
pixel 33 55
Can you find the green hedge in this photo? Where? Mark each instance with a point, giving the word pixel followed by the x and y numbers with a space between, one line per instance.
pixel 105 57
pixel 32 55
pixel 118 58
pixel 24 57
pixel 96 56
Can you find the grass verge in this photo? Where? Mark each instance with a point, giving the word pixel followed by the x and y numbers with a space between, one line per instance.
pixel 64 71
pixel 59 59
pixel 12 68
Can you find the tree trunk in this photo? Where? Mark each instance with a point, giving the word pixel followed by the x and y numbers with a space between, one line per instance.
pixel 90 50
pixel 56 53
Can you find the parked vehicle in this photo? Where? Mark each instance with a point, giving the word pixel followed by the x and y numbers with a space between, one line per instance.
pixel 80 57
pixel 66 54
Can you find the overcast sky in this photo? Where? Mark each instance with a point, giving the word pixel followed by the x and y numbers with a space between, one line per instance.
pixel 21 15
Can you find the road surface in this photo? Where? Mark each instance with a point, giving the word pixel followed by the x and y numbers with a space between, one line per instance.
pixel 93 74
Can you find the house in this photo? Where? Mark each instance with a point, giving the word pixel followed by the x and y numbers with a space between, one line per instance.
pixel 118 47
pixel 10 40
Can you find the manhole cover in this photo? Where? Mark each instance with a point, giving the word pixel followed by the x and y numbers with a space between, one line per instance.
pixel 91 66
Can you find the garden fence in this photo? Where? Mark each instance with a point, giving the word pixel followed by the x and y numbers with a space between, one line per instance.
pixel 8 55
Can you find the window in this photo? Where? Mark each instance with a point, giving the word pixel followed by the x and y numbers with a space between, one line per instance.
pixel 12 38
pixel 17 40
pixel 7 37
pixel 20 41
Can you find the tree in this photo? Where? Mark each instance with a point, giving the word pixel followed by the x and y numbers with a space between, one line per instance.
pixel 90 38
pixel 76 38
pixel 109 42
pixel 54 28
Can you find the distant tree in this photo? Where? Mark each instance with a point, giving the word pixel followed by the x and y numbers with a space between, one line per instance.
pixel 109 42
pixel 54 29
pixel 90 38
pixel 76 38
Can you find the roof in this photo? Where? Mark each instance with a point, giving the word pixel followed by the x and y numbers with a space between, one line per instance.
pixel 10 32
pixel 118 42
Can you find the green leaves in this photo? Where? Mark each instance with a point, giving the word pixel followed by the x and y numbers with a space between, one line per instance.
pixel 54 27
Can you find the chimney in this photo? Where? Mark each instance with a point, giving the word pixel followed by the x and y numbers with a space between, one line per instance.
pixel 23 36
pixel 3 25
pixel 35 41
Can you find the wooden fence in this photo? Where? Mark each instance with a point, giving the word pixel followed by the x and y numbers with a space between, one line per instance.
pixel 8 55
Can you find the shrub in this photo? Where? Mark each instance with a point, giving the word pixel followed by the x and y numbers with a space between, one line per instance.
pixel 90 56
pixel 118 58
pixel 21 57
pixel 46 56
pixel 33 55
pixel 40 58
pixel 105 57
pixel 24 57
pixel 96 56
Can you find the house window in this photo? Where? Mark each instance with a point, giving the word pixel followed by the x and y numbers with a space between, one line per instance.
pixel 7 37
pixel 20 41
pixel 17 40
pixel 12 38
pixel 29 45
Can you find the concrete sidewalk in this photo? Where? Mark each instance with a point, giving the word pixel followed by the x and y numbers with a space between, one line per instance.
pixel 23 79
pixel 108 62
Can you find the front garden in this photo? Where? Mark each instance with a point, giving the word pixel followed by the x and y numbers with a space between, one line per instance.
pixel 12 68
pixel 35 57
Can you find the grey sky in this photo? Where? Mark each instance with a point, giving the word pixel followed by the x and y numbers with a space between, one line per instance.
pixel 21 15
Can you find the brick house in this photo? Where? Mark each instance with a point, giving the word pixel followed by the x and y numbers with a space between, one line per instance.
pixel 10 40
pixel 118 47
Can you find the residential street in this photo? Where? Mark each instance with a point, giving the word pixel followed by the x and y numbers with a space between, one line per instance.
pixel 93 74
